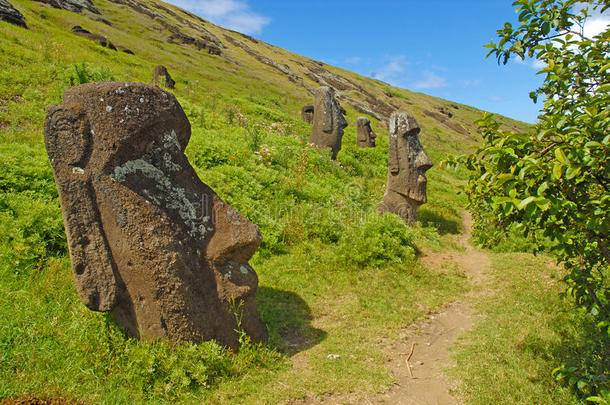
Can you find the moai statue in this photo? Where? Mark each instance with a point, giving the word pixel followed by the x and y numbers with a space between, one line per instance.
pixel 161 71
pixel 307 113
pixel 407 166
pixel 328 120
pixel 148 240
pixel 365 137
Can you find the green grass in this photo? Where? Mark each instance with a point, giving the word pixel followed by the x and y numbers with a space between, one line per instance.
pixel 525 330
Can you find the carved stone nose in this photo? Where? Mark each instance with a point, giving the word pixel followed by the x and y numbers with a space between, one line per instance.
pixel 423 161
pixel 235 238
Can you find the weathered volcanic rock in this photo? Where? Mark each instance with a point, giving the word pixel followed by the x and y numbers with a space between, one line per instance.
pixel 407 166
pixel 328 120
pixel 10 14
pixel 307 113
pixel 365 137
pixel 123 49
pixel 214 50
pixel 161 71
pixel 103 41
pixel 76 6
pixel 147 239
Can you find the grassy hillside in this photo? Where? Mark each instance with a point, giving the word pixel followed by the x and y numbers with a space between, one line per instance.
pixel 334 276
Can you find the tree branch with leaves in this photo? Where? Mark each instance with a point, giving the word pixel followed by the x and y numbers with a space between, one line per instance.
pixel 554 180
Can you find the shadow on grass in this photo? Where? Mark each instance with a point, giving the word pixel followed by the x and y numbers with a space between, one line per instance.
pixel 442 224
pixel 288 319
pixel 582 346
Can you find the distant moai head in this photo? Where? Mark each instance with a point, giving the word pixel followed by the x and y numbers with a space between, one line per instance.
pixel 365 137
pixel 159 72
pixel 307 113
pixel 328 120
pixel 407 166
pixel 147 239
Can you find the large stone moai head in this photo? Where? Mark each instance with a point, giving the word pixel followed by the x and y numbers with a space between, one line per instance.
pixel 365 137
pixel 307 113
pixel 407 166
pixel 148 240
pixel 328 120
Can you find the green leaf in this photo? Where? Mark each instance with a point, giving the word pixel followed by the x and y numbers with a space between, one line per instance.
pixel 543 203
pixel 546 28
pixel 560 155
pixel 572 172
pixel 542 188
pixel 525 202
pixel 557 170
pixel 604 68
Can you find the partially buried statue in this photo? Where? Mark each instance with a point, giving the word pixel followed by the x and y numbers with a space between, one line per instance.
pixel 148 240
pixel 161 71
pixel 365 137
pixel 328 120
pixel 407 166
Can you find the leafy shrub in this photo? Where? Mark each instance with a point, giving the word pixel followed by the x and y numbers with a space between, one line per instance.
pixel 377 241
pixel 80 73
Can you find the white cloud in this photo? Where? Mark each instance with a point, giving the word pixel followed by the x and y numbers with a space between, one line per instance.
pixel 596 25
pixel 392 71
pixel 496 99
pixel 471 82
pixel 533 63
pixel 353 60
pixel 232 14
pixel 430 81
pixel 538 64
pixel 596 22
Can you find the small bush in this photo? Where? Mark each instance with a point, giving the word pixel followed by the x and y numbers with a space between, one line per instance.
pixel 377 241
pixel 80 73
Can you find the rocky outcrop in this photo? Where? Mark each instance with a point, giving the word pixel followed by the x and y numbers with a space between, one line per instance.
pixel 205 34
pixel 76 6
pixel 147 239
pixel 328 120
pixel 444 117
pixel 285 69
pixel 407 166
pixel 103 41
pixel 123 49
pixel 10 14
pixel 180 38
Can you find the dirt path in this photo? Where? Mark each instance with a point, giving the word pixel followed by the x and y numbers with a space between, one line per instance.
pixel 431 338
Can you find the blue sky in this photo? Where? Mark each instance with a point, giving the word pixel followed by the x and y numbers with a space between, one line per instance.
pixel 431 46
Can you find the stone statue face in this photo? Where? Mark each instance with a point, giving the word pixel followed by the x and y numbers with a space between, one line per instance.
pixel 408 162
pixel 328 120
pixel 365 137
pixel 148 240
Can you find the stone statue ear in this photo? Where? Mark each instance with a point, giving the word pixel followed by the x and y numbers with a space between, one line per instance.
pixel 68 138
